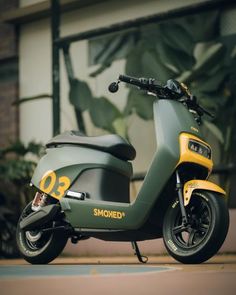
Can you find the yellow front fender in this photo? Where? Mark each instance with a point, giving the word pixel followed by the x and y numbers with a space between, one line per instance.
pixel 194 184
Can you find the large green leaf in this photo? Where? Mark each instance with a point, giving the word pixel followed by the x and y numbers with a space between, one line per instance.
pixel 202 27
pixel 133 66
pixel 117 48
pixel 139 103
pixel 211 56
pixel 153 67
pixel 105 50
pixel 177 58
pixel 207 60
pixel 212 83
pixel 120 126
pixel 177 37
pixel 80 95
pixel 145 62
pixel 103 113
pixel 150 34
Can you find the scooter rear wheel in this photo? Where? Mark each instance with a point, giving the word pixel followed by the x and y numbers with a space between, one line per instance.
pixel 37 247
pixel 205 232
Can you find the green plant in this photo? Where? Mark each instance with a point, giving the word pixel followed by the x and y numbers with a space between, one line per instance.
pixel 17 164
pixel 189 49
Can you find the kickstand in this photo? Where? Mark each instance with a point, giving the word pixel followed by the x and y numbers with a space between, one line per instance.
pixel 141 258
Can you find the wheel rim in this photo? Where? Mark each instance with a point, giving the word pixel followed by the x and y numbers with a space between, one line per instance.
pixel 36 240
pixel 196 231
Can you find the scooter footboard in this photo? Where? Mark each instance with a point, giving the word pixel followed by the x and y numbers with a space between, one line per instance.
pixel 197 184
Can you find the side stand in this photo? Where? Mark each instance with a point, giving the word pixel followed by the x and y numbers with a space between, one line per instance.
pixel 141 258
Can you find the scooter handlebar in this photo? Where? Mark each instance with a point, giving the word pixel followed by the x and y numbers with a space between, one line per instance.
pixel 143 83
pixel 147 84
pixel 131 80
pixel 172 90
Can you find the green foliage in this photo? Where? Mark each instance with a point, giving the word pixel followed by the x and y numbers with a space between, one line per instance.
pixel 103 113
pixel 80 95
pixel 15 169
pixel 116 46
pixel 189 49
pixel 140 103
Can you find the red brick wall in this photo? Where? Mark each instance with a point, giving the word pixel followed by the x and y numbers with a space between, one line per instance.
pixel 8 113
pixel 8 77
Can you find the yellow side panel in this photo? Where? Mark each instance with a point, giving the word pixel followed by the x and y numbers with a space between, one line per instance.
pixel 191 185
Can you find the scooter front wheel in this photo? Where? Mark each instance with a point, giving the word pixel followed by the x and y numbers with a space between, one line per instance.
pixel 36 246
pixel 205 232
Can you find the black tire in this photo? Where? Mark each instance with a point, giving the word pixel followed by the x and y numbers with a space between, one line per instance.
pixel 37 247
pixel 202 238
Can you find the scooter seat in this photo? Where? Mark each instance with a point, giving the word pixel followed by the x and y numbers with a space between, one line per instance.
pixel 111 143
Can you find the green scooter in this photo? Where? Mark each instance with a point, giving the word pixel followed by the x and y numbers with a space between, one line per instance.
pixel 83 185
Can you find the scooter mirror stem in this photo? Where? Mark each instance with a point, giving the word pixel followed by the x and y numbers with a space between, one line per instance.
pixel 179 188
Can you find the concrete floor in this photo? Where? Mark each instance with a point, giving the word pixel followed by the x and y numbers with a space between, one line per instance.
pixel 117 275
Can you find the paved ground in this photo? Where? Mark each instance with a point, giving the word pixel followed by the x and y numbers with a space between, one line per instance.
pixel 121 275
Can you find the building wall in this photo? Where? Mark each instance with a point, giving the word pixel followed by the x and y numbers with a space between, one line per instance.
pixel 8 79
pixel 35 71
pixel 35 78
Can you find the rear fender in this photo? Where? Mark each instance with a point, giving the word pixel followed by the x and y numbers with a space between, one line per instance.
pixel 196 184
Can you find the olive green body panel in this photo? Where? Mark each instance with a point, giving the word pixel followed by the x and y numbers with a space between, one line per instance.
pixel 171 119
pixel 71 160
pixel 131 216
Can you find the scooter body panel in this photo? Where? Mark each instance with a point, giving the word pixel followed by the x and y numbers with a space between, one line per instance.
pixel 114 215
pixel 57 171
pixel 171 119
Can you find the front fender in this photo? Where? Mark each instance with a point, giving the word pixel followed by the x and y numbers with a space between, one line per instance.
pixel 194 184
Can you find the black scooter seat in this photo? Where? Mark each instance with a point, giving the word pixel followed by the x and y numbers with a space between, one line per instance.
pixel 111 143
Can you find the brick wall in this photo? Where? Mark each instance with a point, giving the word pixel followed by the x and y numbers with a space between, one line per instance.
pixel 8 113
pixel 8 78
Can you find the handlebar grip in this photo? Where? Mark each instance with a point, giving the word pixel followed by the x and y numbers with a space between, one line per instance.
pixel 130 80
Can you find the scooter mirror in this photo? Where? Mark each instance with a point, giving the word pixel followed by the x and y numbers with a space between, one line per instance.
pixel 113 87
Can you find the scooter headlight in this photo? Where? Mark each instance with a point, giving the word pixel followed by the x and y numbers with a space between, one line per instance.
pixel 199 148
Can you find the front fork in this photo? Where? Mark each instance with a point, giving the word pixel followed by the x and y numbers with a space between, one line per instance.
pixel 179 188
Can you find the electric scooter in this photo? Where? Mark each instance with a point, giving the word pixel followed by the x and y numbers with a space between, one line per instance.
pixel 83 185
